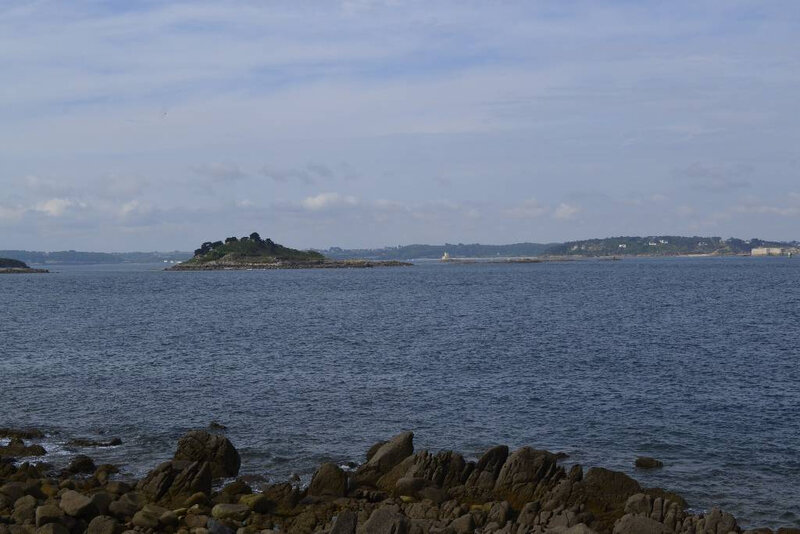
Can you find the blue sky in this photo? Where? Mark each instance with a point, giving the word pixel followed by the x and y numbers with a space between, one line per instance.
pixel 371 123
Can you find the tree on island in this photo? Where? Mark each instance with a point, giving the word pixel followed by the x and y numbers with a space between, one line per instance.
pixel 251 247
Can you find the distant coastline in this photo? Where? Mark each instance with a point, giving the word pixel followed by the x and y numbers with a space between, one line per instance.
pixel 619 247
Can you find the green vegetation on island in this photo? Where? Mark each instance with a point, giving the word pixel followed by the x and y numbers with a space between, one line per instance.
pixel 253 252
pixel 251 249
pixel 10 265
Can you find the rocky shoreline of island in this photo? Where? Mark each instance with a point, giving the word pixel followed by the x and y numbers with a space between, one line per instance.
pixel 13 266
pixel 18 270
pixel 260 265
pixel 397 490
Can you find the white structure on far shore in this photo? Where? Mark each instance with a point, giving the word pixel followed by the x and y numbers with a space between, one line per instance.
pixel 766 251
pixel 445 256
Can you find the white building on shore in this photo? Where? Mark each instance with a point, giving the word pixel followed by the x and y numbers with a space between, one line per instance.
pixel 766 251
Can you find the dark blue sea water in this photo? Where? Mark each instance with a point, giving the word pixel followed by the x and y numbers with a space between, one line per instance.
pixel 693 361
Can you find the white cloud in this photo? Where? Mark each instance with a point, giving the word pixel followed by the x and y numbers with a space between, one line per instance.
pixel 56 207
pixel 325 201
pixel 129 207
pixel 566 211
pixel 528 209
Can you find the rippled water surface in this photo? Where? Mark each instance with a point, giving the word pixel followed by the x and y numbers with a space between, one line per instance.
pixel 693 361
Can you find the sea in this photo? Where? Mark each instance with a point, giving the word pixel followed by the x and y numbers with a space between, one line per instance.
pixel 694 361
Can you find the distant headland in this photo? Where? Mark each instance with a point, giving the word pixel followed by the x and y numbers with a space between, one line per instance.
pixel 8 265
pixel 253 252
pixel 623 246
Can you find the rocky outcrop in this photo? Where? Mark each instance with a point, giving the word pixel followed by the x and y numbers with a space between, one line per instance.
pixel 329 481
pixel 385 457
pixel 395 491
pixel 218 451
pixel 646 462
pixel 176 480
pixel 16 448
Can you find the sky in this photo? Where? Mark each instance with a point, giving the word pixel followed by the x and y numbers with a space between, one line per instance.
pixel 160 125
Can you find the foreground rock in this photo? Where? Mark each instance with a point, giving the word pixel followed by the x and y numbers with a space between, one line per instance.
pixel 218 451
pixel 646 462
pixel 396 490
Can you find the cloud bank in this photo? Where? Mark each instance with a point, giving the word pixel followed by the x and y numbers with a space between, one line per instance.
pixel 161 125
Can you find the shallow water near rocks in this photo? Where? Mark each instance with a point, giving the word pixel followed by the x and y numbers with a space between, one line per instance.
pixel 693 361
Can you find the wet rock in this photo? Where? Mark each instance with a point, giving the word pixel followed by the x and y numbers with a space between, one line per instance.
pixel 285 496
pixel 444 469
pixel 13 490
pixel 646 462
pixel 218 527
pixel 463 525
pixel 385 458
pixel 48 513
pixel 499 512
pixel 218 451
pixel 198 498
pixel 719 521
pixel 636 524
pixel 177 480
pixel 580 528
pixel 81 464
pixel 345 523
pixel 118 487
pixel 145 519
pixel 104 471
pixel 257 502
pixel 127 505
pixel 385 520
pixel 102 500
pixel 329 481
pixel 236 488
pixel 196 520
pixel 526 475
pixel 24 510
pixel 374 448
pixel 237 512
pixel 16 448
pixel 104 524
pixel 411 486
pixel 20 433
pixel 82 442
pixel 52 528
pixel 484 476
pixel 169 519
pixel 77 505
pixel 606 493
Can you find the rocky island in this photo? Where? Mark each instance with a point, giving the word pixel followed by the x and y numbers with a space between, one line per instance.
pixel 8 265
pixel 253 252
pixel 395 491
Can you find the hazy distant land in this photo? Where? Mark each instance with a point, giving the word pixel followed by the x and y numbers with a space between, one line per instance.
pixel 664 245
